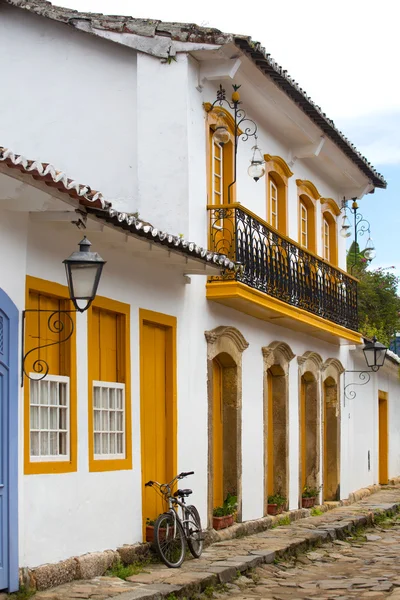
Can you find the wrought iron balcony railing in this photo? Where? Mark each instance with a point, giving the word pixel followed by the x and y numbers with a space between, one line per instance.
pixel 274 264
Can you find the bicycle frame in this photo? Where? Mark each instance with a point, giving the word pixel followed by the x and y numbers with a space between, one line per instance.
pixel 166 490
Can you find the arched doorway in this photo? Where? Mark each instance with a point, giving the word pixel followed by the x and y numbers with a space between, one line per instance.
pixel 276 420
pixel 331 370
pixel 309 421
pixel 224 358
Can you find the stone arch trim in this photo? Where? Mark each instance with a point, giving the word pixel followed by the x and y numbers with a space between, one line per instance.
pixel 226 340
pixel 310 362
pixel 307 187
pixel 277 353
pixel 332 367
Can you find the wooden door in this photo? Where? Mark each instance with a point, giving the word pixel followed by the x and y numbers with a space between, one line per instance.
pixel 218 436
pixel 383 438
pixel 156 441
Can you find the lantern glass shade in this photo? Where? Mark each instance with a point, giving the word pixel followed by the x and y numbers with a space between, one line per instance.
pixel 375 354
pixel 369 251
pixel 345 230
pixel 83 270
pixel 222 135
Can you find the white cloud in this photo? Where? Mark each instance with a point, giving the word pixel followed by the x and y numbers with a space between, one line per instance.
pixel 376 135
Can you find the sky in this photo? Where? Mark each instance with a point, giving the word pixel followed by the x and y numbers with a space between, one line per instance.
pixel 345 54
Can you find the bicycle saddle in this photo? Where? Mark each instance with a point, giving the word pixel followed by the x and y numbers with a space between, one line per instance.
pixel 183 493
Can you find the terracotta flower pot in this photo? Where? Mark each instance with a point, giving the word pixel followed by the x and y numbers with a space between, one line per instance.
pixel 308 502
pixel 274 510
pixel 222 522
pixel 150 533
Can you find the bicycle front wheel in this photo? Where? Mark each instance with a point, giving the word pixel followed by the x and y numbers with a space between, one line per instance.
pixel 169 539
pixel 194 533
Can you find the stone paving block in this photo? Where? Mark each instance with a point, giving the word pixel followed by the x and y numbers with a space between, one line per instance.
pixel 137 593
pixel 225 574
pixel 267 555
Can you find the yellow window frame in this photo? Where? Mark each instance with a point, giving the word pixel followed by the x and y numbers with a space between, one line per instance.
pixel 55 290
pixel 123 310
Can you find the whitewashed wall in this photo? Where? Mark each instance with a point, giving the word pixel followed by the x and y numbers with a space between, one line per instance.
pixel 54 505
pixel 70 101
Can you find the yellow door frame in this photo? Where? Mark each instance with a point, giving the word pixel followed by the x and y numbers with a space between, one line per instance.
pixel 170 324
pixel 383 442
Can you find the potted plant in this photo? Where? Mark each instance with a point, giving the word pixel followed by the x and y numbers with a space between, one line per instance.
pixel 150 530
pixel 276 502
pixel 223 515
pixel 309 496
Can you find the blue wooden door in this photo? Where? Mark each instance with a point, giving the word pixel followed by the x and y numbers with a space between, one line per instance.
pixel 8 444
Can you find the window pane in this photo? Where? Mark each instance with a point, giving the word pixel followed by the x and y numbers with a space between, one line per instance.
pixel 53 443
pixel 34 417
pixel 97 443
pixel 104 395
pixel 119 397
pixel 43 392
pixel 44 418
pixel 96 397
pixel 104 443
pixel 63 444
pixel 112 421
pixel 112 443
pixel 53 392
pixel 97 420
pixel 34 392
pixel 112 397
pixel 53 418
pixel 119 421
pixel 44 443
pixel 63 394
pixel 34 444
pixel 63 418
pixel 120 443
pixel 104 420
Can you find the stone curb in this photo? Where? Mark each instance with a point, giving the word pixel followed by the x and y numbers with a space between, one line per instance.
pixel 96 563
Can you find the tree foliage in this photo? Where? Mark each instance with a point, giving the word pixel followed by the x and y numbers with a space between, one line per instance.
pixel 378 301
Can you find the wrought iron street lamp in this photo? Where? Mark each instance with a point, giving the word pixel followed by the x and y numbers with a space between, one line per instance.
pixel 256 169
pixel 361 226
pixel 83 270
pixel 375 355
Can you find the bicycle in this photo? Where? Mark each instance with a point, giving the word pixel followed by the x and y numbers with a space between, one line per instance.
pixel 171 532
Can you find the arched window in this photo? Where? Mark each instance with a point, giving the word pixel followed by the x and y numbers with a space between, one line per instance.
pixel 308 196
pixel 330 211
pixel 220 157
pixel 278 173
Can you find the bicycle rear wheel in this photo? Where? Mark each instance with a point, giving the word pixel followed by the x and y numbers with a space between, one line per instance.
pixel 169 539
pixel 194 534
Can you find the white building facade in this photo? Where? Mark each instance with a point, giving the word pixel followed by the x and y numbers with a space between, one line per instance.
pixel 224 355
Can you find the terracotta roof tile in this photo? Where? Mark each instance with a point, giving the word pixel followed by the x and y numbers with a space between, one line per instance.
pixel 95 204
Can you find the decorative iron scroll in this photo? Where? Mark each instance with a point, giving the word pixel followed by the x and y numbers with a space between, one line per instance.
pixel 60 323
pixel 274 265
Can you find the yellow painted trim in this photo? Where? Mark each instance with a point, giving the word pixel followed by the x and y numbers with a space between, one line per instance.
pixel 56 290
pixel 229 290
pixel 284 237
pixel 333 241
pixel 383 441
pixel 278 161
pixel 117 464
pixel 307 187
pixel 330 204
pixel 212 116
pixel 171 382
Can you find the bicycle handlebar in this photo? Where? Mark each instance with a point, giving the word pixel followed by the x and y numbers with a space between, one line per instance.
pixel 185 474
pixel 168 485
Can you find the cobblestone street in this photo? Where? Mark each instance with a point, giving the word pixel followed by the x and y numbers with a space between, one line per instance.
pixel 364 566
pixel 337 558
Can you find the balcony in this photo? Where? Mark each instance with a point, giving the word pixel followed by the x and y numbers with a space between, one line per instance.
pixel 278 281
